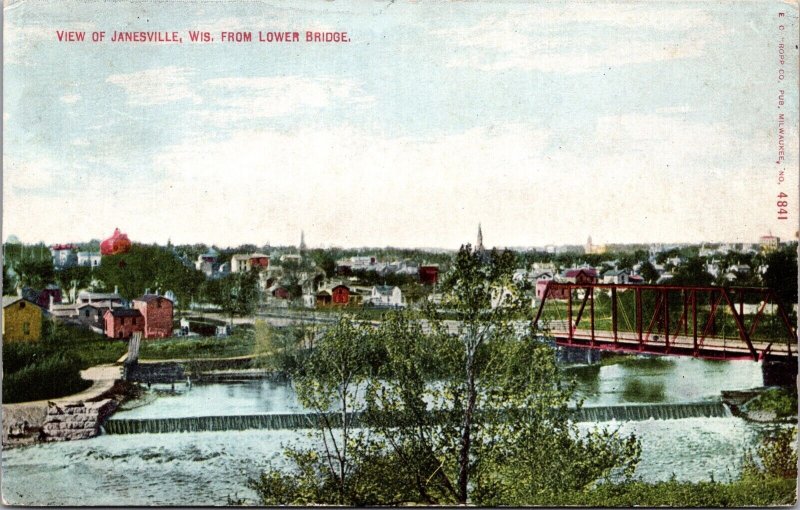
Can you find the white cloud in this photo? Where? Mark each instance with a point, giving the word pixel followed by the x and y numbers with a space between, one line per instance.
pixel 70 98
pixel 156 86
pixel 233 99
pixel 19 175
pixel 579 38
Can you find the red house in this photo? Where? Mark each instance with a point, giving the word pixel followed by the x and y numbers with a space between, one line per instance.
pixel 122 322
pixel 581 276
pixel 340 295
pixel 429 274
pixel 157 313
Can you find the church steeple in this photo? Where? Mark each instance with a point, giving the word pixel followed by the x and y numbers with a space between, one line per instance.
pixel 479 243
pixel 302 241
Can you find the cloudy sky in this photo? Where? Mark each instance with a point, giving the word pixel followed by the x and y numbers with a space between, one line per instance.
pixel 547 123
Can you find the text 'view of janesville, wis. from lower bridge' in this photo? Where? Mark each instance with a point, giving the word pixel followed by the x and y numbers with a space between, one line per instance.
pixel 609 374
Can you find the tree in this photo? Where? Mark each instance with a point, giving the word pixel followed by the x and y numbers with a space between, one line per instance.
pixel 648 272
pixel 148 267
pixel 334 377
pixel 781 274
pixel 692 272
pixel 497 431
pixel 472 409
pixel 36 273
pixel 237 293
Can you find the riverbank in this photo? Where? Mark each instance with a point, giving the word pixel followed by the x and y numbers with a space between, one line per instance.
pixel 26 423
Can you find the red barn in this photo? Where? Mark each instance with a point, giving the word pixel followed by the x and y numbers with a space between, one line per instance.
pixel 122 322
pixel 340 295
pixel 157 313
pixel 429 274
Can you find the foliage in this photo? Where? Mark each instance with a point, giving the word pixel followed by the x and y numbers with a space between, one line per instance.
pixel 648 272
pixel 239 343
pixel 781 401
pixel 781 274
pixel 282 349
pixel 692 272
pixel 335 374
pixel 480 416
pixel 672 493
pixel 149 267
pixel 54 375
pixel 36 273
pixel 237 293
pixel 776 457
pixel 51 367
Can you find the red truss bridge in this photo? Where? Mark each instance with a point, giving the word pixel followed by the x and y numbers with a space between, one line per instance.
pixel 704 322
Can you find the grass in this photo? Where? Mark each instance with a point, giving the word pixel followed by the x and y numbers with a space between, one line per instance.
pixel 50 367
pixel 740 493
pixel 240 343
pixel 781 401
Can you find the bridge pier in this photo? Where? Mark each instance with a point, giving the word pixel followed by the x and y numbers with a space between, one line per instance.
pixel 779 372
pixel 577 355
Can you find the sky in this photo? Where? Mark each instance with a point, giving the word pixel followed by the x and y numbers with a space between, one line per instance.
pixel 631 122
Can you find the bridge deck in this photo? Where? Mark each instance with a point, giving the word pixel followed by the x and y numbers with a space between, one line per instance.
pixel 710 348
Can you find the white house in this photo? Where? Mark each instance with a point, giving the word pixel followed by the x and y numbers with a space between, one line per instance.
pixel 88 259
pixel 616 276
pixel 386 295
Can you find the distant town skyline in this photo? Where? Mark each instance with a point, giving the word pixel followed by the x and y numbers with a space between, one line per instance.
pixel 547 123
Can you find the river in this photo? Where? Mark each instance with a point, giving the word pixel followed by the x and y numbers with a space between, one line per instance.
pixel 205 468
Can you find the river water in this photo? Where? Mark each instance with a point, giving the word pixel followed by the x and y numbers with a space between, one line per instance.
pixel 206 468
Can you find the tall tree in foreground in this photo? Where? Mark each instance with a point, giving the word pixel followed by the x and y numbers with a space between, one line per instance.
pixel 465 410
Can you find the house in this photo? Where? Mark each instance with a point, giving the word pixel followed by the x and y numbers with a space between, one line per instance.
pixel 769 243
pixel 122 322
pixel 50 294
pixel 323 298
pixel 22 319
pixel 616 276
pixel 580 276
pixel 92 297
pixel 157 312
pixel 340 295
pixel 635 279
pixel 555 293
pixel 429 274
pixel 246 262
pixel 89 259
pixel 386 295
pixel 63 255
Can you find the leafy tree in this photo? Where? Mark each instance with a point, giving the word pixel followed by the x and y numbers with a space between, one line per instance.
pixel 498 431
pixel 334 377
pixel 648 272
pixel 237 293
pixel 692 272
pixel 36 273
pixel 76 276
pixel 148 267
pixel 781 274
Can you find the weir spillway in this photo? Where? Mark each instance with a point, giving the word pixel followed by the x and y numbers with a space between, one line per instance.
pixel 284 421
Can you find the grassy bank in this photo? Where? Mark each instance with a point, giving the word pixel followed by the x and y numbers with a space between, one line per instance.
pixel 50 367
pixel 240 343
pixel 740 493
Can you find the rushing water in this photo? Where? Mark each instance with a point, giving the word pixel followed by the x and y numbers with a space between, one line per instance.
pixel 205 468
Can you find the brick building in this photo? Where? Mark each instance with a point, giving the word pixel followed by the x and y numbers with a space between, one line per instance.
pixel 122 322
pixel 157 313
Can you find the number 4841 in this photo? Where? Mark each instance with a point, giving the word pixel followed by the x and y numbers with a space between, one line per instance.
pixel 782 204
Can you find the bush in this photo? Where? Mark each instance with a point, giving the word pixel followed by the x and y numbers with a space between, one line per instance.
pixel 54 376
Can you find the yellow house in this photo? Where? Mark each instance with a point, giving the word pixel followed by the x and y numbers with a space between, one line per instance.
pixel 22 320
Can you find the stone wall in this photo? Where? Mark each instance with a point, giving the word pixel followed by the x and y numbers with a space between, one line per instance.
pixel 78 420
